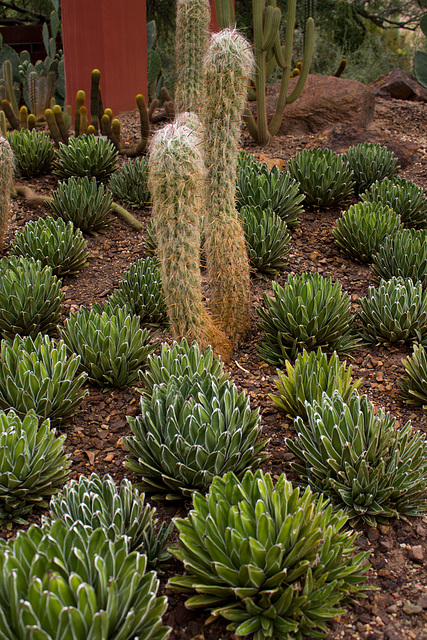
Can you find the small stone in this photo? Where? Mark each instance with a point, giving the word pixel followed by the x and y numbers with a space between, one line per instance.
pixel 416 554
pixel 412 609
pixel 393 608
pixel 385 529
pixel 422 601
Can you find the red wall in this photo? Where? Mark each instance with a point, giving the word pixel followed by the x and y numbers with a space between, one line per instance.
pixel 109 36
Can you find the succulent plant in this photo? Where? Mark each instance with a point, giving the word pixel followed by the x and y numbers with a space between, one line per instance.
pixel 97 503
pixel 179 360
pixel 75 583
pixel 41 375
pixel 402 255
pixel 141 291
pixel 86 155
pixel 30 297
pixel 324 176
pixel 53 242
pixel 7 168
pixel 363 227
pixel 370 162
pixel 33 151
pixel 276 562
pixel 396 311
pixel 308 312
pixel 32 465
pixel 403 196
pixel 191 429
pixel 414 381
pixel 257 185
pixel 130 183
pixel 150 239
pixel 83 202
pixel 311 376
pixel 111 344
pixel 267 238
pixel 355 455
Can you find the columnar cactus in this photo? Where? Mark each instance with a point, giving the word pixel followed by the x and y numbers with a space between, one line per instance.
pixel 192 40
pixel 6 184
pixel 176 172
pixel 227 67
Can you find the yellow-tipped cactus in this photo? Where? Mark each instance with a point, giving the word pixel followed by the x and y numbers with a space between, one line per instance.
pixel 176 174
pixel 6 184
pixel 228 65
pixel 192 39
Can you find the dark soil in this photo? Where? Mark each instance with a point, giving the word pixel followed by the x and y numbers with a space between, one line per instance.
pixel 397 610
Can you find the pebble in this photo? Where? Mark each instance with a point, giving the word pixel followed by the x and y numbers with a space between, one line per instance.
pixel 416 554
pixel 393 608
pixel 412 609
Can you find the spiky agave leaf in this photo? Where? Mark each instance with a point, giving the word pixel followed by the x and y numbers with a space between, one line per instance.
pixel 267 238
pixel 403 196
pixel 325 178
pixel 272 560
pixel 311 376
pixel 130 183
pixel 41 375
pixel 111 344
pixel 86 155
pixel 32 464
pixel 191 429
pixel 356 456
pixel 83 202
pixel 74 582
pixel 414 381
pixel 30 297
pixel 370 162
pixel 363 227
pixel 33 151
pixel 258 186
pixel 402 255
pixel 54 243
pixel 308 312
pixel 396 311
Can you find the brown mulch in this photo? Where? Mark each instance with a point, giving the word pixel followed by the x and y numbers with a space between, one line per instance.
pixel 397 610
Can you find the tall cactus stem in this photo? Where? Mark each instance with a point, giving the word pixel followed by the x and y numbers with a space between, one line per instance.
pixel 23 117
pixel 53 127
pixel 6 185
pixel 7 74
pixel 192 39
pixel 83 121
pixel 227 67
pixel 80 100
pixel 31 121
pixel 3 124
pixel 59 117
pixel 8 112
pixel 94 99
pixel 176 179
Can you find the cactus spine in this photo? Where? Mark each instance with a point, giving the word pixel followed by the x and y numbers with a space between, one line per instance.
pixel 6 185
pixel 228 65
pixel 192 39
pixel 176 173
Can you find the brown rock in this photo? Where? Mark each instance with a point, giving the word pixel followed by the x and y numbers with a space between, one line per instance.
pixel 422 601
pixel 324 101
pixel 399 85
pixel 416 554
pixel 411 609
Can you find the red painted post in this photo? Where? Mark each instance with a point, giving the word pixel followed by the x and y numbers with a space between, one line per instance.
pixel 102 34
pixel 214 21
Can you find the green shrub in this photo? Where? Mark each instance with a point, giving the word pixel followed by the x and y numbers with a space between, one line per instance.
pixel 258 186
pixel 403 196
pixel 30 298
pixel 356 456
pixel 62 582
pixel 311 376
pixel 363 227
pixel 325 178
pixel 53 242
pixel 41 375
pixel 370 162
pixel 111 344
pixel 267 238
pixel 98 503
pixel 394 312
pixel 83 202
pixel 32 465
pixel 414 382
pixel 192 429
pixel 274 561
pixel 33 151
pixel 129 183
pixel 86 155
pixel 307 313
pixel 402 255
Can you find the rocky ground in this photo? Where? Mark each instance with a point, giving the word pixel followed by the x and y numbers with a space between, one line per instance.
pixel 396 607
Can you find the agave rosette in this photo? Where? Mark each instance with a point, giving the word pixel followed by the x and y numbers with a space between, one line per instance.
pixel 403 196
pixel 191 429
pixel 130 183
pixel 274 561
pixel 370 162
pixel 33 150
pixel 86 155
pixel 267 238
pixel 402 255
pixel 414 381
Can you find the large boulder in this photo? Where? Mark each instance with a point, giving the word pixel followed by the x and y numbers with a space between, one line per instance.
pixel 324 101
pixel 399 85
